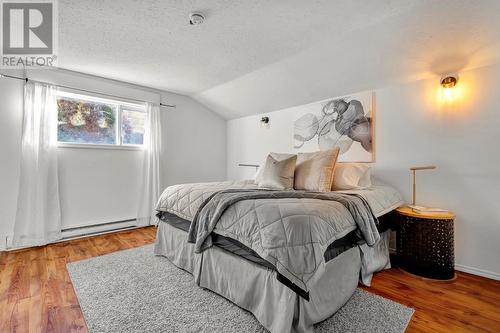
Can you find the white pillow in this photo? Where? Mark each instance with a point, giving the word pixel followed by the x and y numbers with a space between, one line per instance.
pixel 278 157
pixel 278 175
pixel 351 176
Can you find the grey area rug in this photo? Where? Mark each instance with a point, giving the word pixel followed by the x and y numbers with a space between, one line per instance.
pixel 136 291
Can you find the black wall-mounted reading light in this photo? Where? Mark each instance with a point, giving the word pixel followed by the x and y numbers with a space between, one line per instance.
pixel 264 122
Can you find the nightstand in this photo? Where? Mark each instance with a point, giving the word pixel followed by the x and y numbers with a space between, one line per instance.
pixel 425 243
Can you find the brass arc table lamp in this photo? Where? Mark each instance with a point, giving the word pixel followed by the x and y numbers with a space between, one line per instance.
pixel 414 178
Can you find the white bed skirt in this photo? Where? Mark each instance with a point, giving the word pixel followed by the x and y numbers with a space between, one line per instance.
pixel 256 289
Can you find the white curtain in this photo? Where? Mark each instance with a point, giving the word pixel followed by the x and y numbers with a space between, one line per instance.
pixel 38 216
pixel 150 180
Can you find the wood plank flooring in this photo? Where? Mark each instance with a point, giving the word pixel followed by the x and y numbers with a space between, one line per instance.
pixel 36 294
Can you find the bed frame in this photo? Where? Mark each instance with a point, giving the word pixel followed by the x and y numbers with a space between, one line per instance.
pixel 255 288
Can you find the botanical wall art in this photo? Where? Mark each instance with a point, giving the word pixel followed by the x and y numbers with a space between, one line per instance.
pixel 345 122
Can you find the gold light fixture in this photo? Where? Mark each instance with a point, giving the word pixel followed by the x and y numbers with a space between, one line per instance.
pixel 448 87
pixel 449 81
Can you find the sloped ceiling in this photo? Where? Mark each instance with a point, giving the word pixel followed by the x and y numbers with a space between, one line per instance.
pixel 257 56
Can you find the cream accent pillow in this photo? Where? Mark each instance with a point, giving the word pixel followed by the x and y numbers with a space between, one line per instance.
pixel 278 175
pixel 351 176
pixel 276 156
pixel 314 171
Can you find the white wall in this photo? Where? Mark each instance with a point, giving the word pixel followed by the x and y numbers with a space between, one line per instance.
pixel 194 148
pixel 413 127
pixel 101 185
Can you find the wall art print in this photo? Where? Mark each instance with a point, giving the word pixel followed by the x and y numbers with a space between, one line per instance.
pixel 345 122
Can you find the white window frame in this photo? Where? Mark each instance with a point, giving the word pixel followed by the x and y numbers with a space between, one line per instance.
pixel 120 105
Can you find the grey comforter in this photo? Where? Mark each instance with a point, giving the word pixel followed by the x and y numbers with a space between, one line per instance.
pixel 292 233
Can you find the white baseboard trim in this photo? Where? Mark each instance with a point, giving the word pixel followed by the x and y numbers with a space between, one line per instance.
pixel 5 242
pixel 477 271
pixel 468 269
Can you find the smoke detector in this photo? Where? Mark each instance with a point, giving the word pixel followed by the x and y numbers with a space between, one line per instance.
pixel 196 18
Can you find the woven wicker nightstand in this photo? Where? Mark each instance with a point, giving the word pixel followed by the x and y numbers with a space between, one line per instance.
pixel 425 243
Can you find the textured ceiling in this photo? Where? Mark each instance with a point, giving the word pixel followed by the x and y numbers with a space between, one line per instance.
pixel 256 56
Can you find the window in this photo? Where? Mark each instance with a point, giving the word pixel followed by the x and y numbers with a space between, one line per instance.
pixel 132 127
pixel 87 120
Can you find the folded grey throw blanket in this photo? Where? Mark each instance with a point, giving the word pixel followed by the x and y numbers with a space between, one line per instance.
pixel 292 233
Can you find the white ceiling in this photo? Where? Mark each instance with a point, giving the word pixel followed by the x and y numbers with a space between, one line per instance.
pixel 256 56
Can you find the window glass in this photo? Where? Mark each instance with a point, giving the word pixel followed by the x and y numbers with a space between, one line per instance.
pixel 92 120
pixel 133 127
pixel 84 121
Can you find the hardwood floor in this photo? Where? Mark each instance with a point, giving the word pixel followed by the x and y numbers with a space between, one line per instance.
pixel 36 294
pixel 467 304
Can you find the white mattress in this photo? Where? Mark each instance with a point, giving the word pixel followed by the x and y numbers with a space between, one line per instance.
pixel 185 199
pixel 381 198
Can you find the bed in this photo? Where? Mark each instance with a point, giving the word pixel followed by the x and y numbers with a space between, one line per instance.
pixel 292 258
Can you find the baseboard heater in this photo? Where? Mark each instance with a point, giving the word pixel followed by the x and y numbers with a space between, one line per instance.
pixel 95 229
pixel 82 231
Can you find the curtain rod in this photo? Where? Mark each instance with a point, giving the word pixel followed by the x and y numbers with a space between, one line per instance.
pixel 79 89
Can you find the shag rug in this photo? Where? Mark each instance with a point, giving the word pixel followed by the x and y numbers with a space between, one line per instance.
pixel 136 291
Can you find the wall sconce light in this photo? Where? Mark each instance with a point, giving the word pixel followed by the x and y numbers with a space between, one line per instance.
pixel 264 122
pixel 448 83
